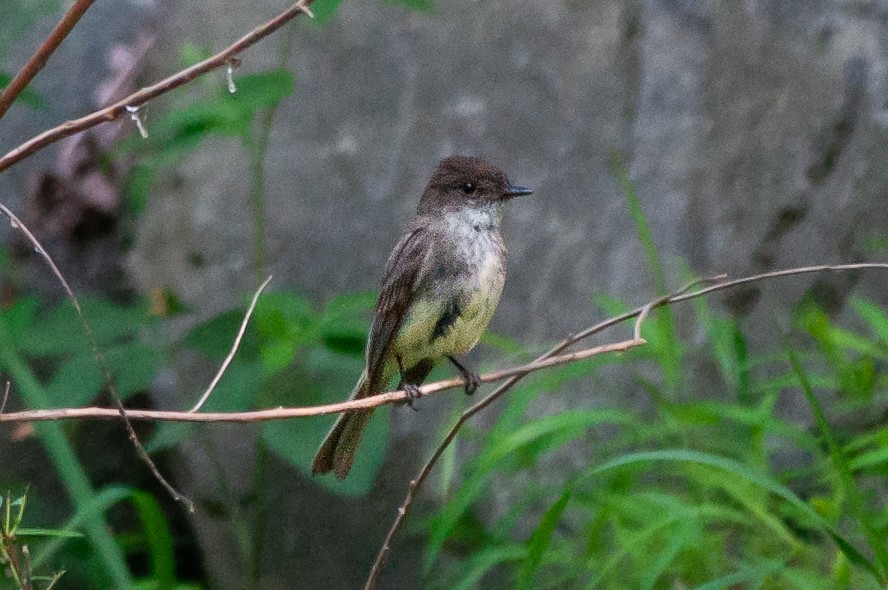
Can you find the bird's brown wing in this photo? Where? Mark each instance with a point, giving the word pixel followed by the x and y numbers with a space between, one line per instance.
pixel 399 282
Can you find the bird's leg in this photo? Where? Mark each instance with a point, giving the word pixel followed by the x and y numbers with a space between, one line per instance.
pixel 472 378
pixel 411 389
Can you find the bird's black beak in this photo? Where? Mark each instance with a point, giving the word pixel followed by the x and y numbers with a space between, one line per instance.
pixel 516 191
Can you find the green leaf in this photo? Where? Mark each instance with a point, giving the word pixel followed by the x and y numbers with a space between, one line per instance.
pixel 482 562
pixel 752 576
pixel 167 435
pixel 286 322
pixel 75 382
pixel 19 16
pixel 662 335
pixel 870 459
pixel 237 389
pixel 133 367
pixel 540 541
pixel 107 497
pixel 215 337
pixel 263 89
pixel 157 537
pixel 31 532
pixel 138 185
pixel 874 316
pixel 324 10
pixel 418 5
pixel 345 323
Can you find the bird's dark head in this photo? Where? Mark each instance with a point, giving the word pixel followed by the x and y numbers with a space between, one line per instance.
pixel 462 181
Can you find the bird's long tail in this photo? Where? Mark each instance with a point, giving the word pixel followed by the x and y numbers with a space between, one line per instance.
pixel 337 452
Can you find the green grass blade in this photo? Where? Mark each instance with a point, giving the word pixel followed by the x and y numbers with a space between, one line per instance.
pixel 874 316
pixel 159 539
pixel 750 475
pixel 540 541
pixel 66 463
pixel 669 349
pixel 744 578
pixel 855 496
pixel 482 562
pixel 32 532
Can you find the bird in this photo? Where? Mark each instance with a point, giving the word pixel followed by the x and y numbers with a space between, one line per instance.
pixel 440 288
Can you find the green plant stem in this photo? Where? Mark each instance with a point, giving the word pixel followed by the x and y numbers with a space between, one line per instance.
pixel 257 149
pixel 259 152
pixel 66 462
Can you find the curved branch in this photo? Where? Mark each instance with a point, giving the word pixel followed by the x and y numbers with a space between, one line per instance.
pixel 140 97
pixel 44 52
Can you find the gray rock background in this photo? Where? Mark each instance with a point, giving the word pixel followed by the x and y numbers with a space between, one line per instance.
pixel 755 133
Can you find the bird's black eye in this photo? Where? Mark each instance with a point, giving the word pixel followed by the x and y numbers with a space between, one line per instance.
pixel 468 188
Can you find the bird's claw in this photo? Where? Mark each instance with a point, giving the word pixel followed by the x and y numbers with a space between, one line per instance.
pixel 473 380
pixel 413 393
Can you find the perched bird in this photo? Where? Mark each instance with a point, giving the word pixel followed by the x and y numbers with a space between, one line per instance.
pixel 441 286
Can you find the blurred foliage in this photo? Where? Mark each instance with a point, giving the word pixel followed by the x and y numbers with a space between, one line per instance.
pixel 695 493
pixel 54 339
pixel 292 354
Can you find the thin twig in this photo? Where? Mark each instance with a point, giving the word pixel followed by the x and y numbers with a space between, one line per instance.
pixel 100 358
pixel 39 59
pixel 303 412
pixel 140 97
pixel 234 347
pixel 5 396
pixel 682 294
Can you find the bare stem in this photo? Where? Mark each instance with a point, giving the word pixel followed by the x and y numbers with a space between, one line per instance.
pixel 39 59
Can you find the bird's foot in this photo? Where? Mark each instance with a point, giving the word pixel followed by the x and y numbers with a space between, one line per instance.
pixel 472 378
pixel 413 393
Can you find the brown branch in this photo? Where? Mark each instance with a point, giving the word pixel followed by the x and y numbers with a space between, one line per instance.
pixel 107 379
pixel 39 59
pixel 140 97
pixel 683 294
pixel 287 413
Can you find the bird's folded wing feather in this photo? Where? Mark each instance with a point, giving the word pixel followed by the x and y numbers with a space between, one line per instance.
pixel 401 277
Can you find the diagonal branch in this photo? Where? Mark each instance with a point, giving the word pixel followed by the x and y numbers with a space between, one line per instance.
pixel 107 378
pixel 44 52
pixel 685 293
pixel 140 97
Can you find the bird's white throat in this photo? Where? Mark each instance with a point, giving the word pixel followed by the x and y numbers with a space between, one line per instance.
pixel 469 220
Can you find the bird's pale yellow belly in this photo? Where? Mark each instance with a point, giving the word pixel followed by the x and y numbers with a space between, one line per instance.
pixel 415 342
